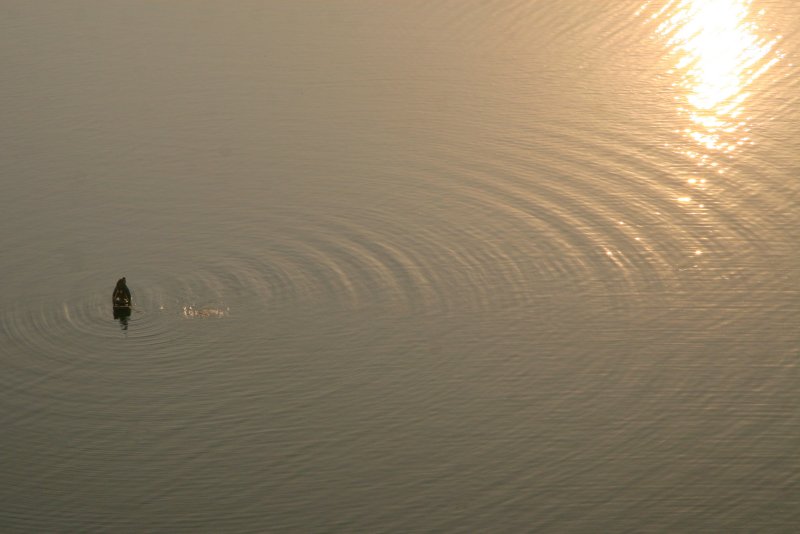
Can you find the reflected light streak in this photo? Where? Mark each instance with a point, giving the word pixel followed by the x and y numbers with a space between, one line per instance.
pixel 720 57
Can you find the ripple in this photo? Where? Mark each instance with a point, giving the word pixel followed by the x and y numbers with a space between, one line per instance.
pixel 76 326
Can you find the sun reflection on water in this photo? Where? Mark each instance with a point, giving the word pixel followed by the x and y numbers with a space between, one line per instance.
pixel 720 55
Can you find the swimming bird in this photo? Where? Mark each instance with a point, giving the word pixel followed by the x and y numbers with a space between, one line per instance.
pixel 121 298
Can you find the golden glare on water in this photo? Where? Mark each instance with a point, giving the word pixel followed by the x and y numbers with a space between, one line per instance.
pixel 720 56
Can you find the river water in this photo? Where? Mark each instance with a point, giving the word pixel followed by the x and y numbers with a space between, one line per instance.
pixel 400 266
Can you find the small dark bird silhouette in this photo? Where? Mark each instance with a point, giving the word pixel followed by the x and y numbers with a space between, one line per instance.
pixel 121 297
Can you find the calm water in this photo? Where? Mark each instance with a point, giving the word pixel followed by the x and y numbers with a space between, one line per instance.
pixel 400 266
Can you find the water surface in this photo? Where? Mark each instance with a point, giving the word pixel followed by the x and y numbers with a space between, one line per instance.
pixel 481 266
